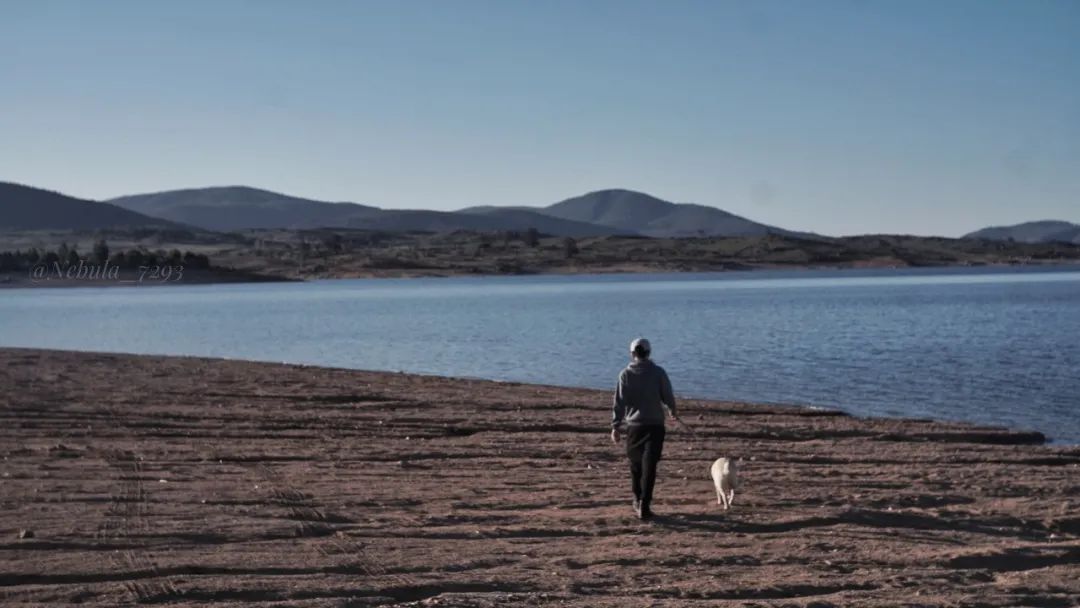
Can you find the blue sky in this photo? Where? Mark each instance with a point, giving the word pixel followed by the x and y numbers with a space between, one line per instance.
pixel 839 117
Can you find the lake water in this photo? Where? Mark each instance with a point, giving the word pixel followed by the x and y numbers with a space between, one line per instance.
pixel 992 346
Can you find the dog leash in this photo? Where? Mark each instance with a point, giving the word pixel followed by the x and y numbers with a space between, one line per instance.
pixel 684 426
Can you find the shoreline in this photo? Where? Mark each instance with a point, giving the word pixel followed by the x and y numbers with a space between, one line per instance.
pixel 232 276
pixel 131 278
pixel 187 479
pixel 996 432
pixel 1063 266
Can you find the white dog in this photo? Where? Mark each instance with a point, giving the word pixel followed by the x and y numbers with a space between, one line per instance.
pixel 723 476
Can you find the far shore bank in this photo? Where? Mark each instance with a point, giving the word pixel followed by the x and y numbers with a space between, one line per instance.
pixel 638 269
pixel 179 479
pixel 134 278
pixel 227 276
pixel 293 254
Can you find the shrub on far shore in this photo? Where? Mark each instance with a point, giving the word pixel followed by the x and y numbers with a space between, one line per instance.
pixel 66 256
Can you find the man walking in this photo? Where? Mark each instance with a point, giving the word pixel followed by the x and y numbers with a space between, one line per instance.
pixel 643 391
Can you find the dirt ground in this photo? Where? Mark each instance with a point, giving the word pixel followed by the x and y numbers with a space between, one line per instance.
pixel 131 479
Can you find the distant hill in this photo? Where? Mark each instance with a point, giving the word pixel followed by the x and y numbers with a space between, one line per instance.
pixel 523 218
pixel 600 213
pixel 629 212
pixel 1046 231
pixel 399 220
pixel 28 208
pixel 632 211
pixel 238 207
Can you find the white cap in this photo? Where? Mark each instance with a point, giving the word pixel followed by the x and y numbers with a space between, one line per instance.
pixel 641 344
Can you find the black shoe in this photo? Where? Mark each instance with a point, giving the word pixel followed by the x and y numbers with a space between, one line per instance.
pixel 644 513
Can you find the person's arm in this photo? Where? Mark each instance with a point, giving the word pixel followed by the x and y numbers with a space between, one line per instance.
pixel 618 406
pixel 667 395
pixel 618 410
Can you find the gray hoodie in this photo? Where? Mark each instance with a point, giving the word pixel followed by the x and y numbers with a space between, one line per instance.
pixel 643 387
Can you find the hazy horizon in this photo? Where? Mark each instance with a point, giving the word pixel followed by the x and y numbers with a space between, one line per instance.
pixel 833 117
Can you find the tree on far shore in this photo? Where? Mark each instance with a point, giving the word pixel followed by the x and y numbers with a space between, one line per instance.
pixel 101 252
pixel 570 247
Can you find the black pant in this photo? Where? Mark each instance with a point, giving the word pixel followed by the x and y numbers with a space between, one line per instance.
pixel 644 446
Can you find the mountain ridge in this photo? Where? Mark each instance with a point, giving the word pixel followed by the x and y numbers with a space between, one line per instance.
pixel 597 213
pixel 31 208
pixel 606 212
pixel 230 208
pixel 1039 231
pixel 649 215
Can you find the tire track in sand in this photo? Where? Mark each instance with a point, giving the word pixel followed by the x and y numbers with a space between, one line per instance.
pixel 126 518
pixel 315 522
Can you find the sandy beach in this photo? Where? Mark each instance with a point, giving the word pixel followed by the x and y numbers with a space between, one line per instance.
pixel 131 479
